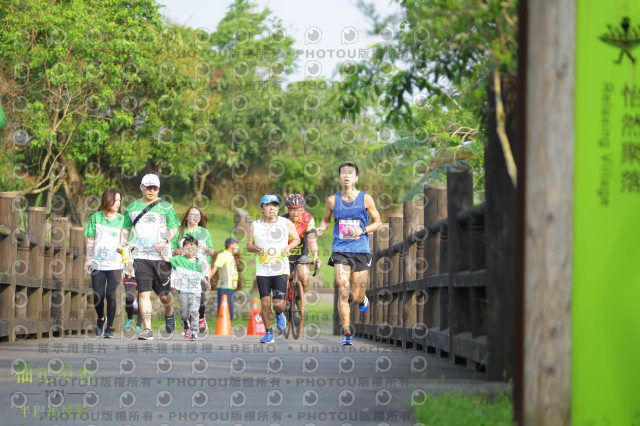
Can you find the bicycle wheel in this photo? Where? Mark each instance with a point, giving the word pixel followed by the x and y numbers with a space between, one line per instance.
pixel 297 308
pixel 287 311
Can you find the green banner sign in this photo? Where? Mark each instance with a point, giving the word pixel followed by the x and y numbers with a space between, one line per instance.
pixel 606 278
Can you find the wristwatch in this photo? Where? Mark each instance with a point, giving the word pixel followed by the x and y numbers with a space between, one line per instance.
pixel 363 229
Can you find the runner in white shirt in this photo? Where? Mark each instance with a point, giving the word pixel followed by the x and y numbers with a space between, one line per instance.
pixel 103 262
pixel 268 238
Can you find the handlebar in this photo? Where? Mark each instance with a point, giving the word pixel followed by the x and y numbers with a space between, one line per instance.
pixel 316 266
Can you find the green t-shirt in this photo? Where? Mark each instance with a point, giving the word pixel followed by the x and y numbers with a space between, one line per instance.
pixel 226 263
pixel 204 239
pixel 157 221
pixel 186 275
pixel 106 236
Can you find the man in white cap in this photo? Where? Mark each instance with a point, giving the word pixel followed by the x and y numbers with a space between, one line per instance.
pixel 155 224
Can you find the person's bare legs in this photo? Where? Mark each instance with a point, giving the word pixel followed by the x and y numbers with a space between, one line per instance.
pixel 342 274
pixel 359 285
pixel 267 314
pixel 279 305
pixel 303 276
pixel 144 306
pixel 167 302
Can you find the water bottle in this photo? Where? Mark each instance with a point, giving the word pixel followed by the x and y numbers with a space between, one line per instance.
pixel 126 253
pixel 166 250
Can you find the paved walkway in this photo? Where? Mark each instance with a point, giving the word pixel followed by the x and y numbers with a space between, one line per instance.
pixel 220 380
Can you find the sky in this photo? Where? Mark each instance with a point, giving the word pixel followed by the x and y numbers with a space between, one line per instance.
pixel 327 32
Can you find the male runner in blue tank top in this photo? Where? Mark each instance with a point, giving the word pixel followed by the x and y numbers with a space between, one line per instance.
pixel 350 254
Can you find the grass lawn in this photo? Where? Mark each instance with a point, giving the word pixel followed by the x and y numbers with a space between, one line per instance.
pixel 456 409
pixel 320 314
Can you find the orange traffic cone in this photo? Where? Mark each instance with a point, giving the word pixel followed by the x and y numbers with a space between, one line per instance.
pixel 256 326
pixel 223 325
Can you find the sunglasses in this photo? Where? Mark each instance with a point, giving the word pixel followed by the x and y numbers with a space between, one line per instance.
pixel 152 188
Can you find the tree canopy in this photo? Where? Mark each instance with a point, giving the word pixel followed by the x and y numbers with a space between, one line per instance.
pixel 97 94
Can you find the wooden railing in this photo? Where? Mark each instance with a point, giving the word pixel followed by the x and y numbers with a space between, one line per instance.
pixel 443 272
pixel 427 284
pixel 44 291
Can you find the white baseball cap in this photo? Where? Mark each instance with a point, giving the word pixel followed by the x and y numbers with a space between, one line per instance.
pixel 150 180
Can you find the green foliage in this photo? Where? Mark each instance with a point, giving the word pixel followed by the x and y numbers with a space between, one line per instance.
pixel 63 65
pixel 456 409
pixel 98 95
pixel 429 83
pixel 444 48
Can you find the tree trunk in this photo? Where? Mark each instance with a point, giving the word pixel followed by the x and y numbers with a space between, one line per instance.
pixel 78 209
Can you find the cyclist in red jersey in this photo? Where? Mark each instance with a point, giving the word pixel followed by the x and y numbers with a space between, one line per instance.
pixel 306 228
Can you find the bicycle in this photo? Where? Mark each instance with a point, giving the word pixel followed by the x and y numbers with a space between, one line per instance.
pixel 294 310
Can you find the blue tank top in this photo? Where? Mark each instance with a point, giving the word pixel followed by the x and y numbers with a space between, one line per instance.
pixel 347 216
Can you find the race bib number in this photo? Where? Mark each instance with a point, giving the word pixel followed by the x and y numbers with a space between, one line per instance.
pixel 346 227
pixel 146 242
pixel 104 253
pixel 269 257
pixel 185 280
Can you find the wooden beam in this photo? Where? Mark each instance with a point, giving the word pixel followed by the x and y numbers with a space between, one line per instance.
pixel 548 211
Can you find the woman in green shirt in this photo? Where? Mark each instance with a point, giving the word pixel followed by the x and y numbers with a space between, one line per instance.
pixel 194 222
pixel 103 262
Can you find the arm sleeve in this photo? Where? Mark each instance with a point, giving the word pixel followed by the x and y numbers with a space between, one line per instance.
pixel 220 261
pixel 174 261
pixel 90 230
pixel 312 225
pixel 208 241
pixel 174 242
pixel 127 220
pixel 172 218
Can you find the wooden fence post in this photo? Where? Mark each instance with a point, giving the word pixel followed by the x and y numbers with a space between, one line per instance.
pixel 542 394
pixel 412 223
pixel 479 303
pixel 394 309
pixel 435 308
pixel 500 228
pixel 74 268
pixel 459 197
pixel 57 269
pixel 371 278
pixel 8 257
pixel 382 266
pixel 37 230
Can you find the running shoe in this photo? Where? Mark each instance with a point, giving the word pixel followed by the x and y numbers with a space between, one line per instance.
pixel 194 336
pixel 187 333
pixel 147 334
pixel 170 323
pixel 202 324
pixel 347 340
pixel 108 333
pixel 268 338
pixel 281 321
pixel 99 328
pixel 127 325
pixel 138 329
pixel 365 305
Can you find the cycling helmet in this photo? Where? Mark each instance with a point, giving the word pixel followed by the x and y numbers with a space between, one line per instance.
pixel 294 201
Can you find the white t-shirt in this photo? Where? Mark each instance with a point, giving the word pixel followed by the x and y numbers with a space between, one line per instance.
pixel 156 222
pixel 271 238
